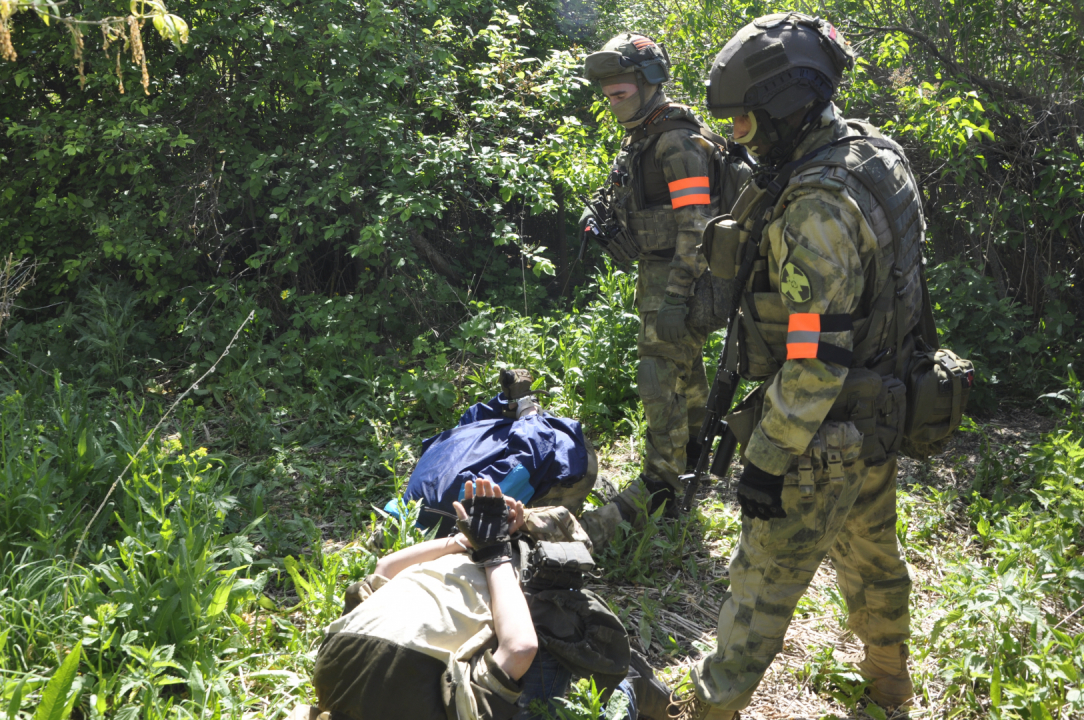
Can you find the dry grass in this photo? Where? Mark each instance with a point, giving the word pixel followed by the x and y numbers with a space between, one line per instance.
pixel 14 278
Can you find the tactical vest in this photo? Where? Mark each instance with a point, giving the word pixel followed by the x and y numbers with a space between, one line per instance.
pixel 880 182
pixel 876 175
pixel 641 196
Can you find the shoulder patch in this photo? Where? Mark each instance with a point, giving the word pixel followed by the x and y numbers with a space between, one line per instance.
pixel 794 284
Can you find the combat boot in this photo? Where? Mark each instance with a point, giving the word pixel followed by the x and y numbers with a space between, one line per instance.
pixel 646 494
pixel 886 667
pixel 693 708
pixel 601 524
pixel 652 695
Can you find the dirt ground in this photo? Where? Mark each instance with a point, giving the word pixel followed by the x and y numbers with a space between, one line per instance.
pixel 810 679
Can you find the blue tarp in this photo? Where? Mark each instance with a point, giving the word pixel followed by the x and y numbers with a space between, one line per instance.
pixel 526 457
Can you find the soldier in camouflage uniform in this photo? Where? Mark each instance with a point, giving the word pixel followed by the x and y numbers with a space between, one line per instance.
pixel 671 175
pixel 832 230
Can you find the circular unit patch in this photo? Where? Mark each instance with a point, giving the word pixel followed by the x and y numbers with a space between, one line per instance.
pixel 794 284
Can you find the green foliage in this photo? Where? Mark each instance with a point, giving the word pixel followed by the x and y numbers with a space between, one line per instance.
pixel 54 699
pixel 384 184
pixel 1005 632
pixel 584 702
pixel 1012 355
pixel 327 166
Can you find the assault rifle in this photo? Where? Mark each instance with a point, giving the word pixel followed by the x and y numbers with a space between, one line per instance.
pixel 603 226
pixel 721 396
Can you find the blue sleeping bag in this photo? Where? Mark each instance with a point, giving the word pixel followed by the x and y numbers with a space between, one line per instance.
pixel 526 457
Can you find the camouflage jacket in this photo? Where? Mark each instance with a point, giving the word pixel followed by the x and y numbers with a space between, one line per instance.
pixel 669 185
pixel 822 255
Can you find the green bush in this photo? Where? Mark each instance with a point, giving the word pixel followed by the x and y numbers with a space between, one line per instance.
pixel 1015 356
pixel 1007 637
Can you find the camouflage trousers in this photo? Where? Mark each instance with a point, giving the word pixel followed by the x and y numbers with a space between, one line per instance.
pixel 670 378
pixel 571 496
pixel 848 514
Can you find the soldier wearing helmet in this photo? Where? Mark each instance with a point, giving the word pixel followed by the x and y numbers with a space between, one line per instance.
pixel 827 242
pixel 671 175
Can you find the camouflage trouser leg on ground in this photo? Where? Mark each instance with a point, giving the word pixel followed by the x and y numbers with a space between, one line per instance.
pixel 672 384
pixel 851 515
pixel 571 496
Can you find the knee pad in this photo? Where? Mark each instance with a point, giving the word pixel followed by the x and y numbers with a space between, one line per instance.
pixel 647 377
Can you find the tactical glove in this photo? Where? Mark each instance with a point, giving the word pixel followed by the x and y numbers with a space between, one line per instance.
pixel 760 494
pixel 670 322
pixel 486 526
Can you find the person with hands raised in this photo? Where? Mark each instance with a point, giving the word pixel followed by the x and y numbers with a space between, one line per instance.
pixel 487 521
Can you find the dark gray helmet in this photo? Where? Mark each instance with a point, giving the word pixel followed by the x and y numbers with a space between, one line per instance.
pixel 630 55
pixel 778 63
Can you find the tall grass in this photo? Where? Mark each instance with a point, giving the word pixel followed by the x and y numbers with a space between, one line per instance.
pixel 204 587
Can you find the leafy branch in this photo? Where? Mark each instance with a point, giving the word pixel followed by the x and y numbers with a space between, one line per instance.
pixel 114 28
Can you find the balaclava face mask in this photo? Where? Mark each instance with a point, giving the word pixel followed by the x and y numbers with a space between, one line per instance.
pixel 749 136
pixel 628 111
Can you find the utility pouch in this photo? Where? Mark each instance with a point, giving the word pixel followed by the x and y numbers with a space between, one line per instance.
pixel 556 565
pixel 835 446
pixel 620 246
pixel 709 305
pixel 743 419
pixel 891 408
pixel 938 384
pixel 876 404
pixel 722 241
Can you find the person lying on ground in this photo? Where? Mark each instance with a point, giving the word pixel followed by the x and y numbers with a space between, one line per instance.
pixel 444 629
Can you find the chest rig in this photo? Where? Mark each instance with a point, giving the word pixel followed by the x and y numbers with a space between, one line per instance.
pixel 641 196
pixel 874 172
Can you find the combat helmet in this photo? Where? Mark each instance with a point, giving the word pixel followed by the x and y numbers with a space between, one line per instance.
pixel 628 58
pixel 778 63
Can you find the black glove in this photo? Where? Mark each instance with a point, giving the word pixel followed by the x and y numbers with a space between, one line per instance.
pixel 760 494
pixel 486 524
pixel 670 322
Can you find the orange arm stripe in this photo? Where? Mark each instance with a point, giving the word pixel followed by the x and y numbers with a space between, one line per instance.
pixel 800 351
pixel 681 202
pixel 803 337
pixel 689 182
pixel 804 322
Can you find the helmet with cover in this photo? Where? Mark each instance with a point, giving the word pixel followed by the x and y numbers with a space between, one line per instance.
pixel 778 63
pixel 631 58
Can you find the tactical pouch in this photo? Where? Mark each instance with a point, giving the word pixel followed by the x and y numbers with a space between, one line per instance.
pixel 620 246
pixel 834 447
pixel 877 406
pixel 762 347
pixel 722 239
pixel 651 230
pixel 938 384
pixel 556 565
pixel 709 305
pixel 743 419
